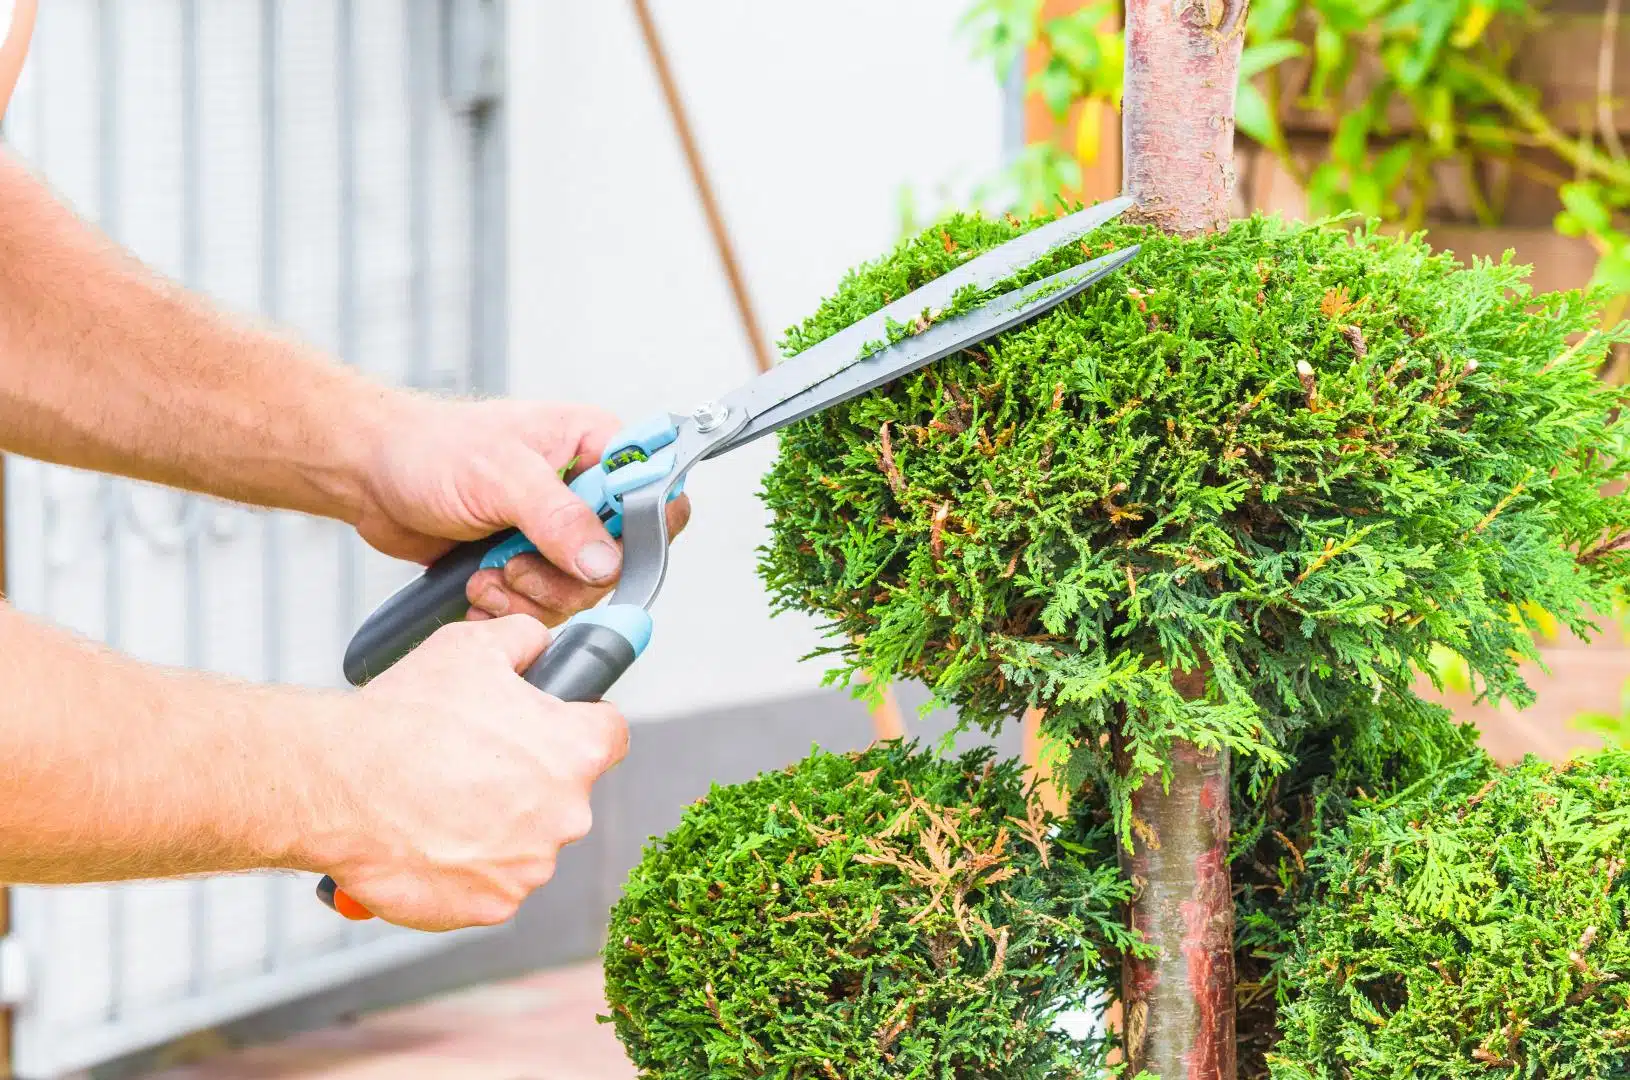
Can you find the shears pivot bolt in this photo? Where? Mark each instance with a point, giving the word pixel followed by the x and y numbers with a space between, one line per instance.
pixel 710 416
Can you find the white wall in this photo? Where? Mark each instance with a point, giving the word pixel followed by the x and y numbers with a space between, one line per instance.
pixel 812 115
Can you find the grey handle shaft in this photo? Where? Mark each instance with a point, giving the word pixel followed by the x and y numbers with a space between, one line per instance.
pixel 401 623
pixel 583 663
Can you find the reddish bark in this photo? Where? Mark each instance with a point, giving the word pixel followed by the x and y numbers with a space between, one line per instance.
pixel 1177 127
pixel 1179 1005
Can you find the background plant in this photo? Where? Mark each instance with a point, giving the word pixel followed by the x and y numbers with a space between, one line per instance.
pixel 1410 87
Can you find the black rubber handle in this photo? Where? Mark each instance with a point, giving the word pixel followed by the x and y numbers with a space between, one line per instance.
pixel 582 664
pixel 403 622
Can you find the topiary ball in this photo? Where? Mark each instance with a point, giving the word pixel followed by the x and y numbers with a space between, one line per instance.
pixel 881 914
pixel 1291 457
pixel 1473 926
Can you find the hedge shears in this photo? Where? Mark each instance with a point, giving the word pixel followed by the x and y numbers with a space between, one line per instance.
pixel 645 465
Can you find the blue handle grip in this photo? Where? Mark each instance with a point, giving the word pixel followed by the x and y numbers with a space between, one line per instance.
pixel 632 460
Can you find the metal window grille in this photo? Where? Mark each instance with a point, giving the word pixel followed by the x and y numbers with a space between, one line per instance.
pixel 336 166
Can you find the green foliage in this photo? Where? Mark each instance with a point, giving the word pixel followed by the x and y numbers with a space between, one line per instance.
pixel 1474 925
pixel 778 927
pixel 1297 456
pixel 886 914
pixel 1363 750
pixel 1414 90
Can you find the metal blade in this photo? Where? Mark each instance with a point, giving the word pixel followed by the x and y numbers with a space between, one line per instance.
pixel 920 350
pixel 845 348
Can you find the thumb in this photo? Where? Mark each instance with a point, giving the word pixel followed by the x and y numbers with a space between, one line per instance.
pixel 565 529
pixel 520 638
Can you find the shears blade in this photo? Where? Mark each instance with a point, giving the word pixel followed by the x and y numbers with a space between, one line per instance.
pixel 769 413
pixel 849 346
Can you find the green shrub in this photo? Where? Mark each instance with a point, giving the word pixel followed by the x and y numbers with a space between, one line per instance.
pixel 885 914
pixel 1366 749
pixel 1299 457
pixel 1474 925
pixel 746 941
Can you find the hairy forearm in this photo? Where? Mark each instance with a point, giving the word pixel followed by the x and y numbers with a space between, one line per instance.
pixel 111 769
pixel 106 366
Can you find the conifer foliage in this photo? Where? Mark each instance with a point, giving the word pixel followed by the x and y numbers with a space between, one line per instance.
pixel 1477 924
pixel 884 914
pixel 1298 456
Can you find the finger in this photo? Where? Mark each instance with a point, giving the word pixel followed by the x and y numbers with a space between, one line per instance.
pixel 529 585
pixel 495 593
pixel 546 586
pixel 561 525
pixel 564 432
pixel 678 515
pixel 519 638
pixel 592 429
pixel 605 733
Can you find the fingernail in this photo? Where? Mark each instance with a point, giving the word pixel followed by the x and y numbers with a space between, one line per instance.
pixel 597 562
pixel 530 584
pixel 493 601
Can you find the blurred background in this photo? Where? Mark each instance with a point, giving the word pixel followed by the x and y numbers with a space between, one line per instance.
pixel 625 202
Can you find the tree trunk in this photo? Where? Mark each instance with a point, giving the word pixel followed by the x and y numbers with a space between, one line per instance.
pixel 1182 72
pixel 1178 1007
pixel 1177 128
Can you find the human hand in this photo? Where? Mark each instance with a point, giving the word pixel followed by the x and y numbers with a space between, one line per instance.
pixel 459 783
pixel 447 471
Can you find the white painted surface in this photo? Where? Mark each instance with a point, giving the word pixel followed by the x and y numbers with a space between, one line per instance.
pixel 179 580
pixel 812 115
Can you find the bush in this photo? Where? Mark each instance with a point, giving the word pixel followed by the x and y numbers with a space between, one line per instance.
pixel 1474 925
pixel 745 939
pixel 1367 749
pixel 1294 457
pixel 885 914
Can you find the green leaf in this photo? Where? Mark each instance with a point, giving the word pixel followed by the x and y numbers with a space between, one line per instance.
pixel 1350 144
pixel 1059 87
pixel 1270 19
pixel 1256 59
pixel 1584 202
pixel 1330 55
pixel 1435 21
pixel 1438 104
pixel 1613 269
pixel 1327 189
pixel 1001 30
pixel 1367 194
pixel 1254 118
pixel 1390 165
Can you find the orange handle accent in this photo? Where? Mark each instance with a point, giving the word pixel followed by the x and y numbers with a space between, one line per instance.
pixel 350 908
pixel 329 892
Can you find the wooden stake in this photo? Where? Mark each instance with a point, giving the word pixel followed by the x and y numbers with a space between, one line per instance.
pixel 750 325
pixel 1182 71
pixel 1037 749
pixel 888 722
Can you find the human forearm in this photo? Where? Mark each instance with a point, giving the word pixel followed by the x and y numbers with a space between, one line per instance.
pixel 116 770
pixel 105 366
